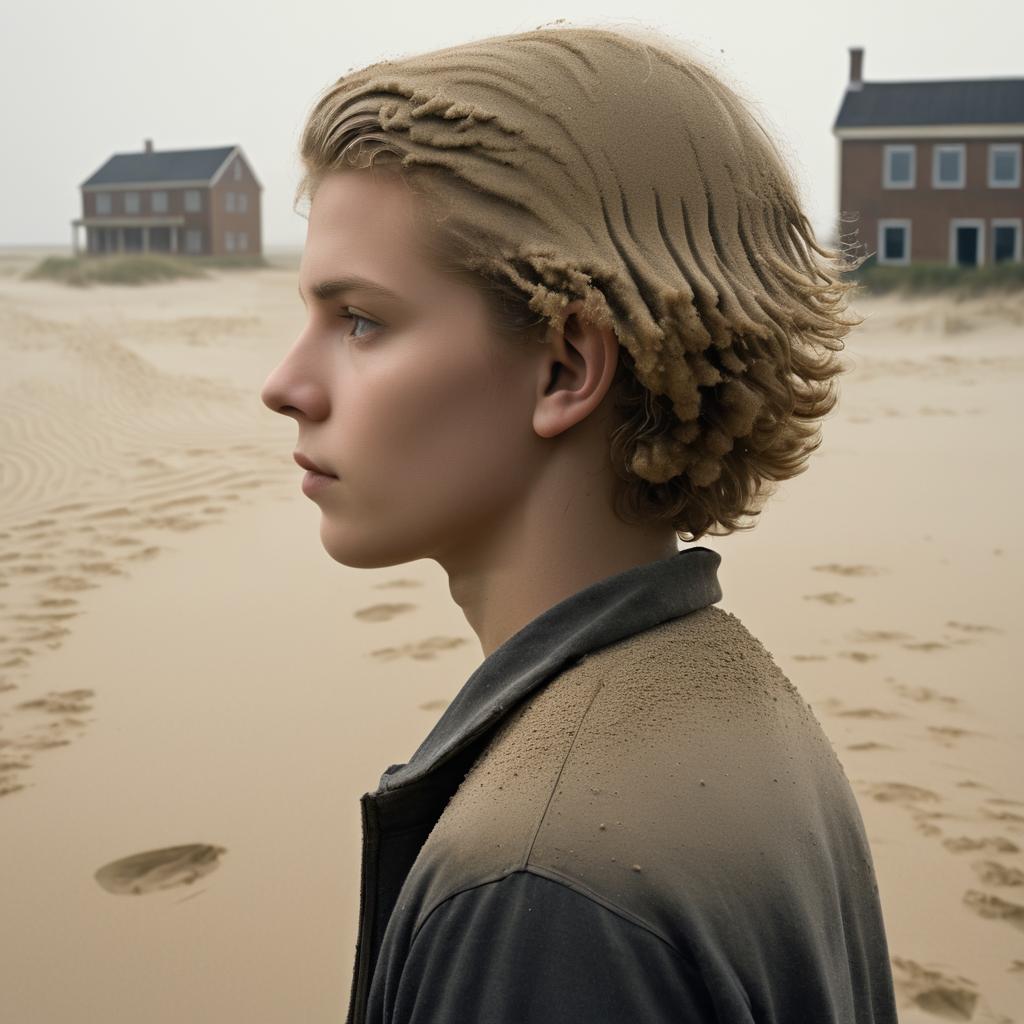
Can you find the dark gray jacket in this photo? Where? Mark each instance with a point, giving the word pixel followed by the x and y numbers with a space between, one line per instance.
pixel 628 813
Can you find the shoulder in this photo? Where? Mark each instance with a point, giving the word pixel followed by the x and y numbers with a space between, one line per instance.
pixel 657 751
pixel 679 781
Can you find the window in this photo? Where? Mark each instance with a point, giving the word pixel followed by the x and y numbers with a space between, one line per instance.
pixel 241 202
pixel 894 241
pixel 1006 240
pixel 948 166
pixel 131 202
pixel 103 202
pixel 243 240
pixel 898 166
pixel 229 241
pixel 194 240
pixel 229 202
pixel 193 200
pixel 158 202
pixel 238 170
pixel 1004 165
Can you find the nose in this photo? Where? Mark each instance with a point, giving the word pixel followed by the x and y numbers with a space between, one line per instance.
pixel 292 390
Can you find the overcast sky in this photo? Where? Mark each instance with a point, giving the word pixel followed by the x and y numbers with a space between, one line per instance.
pixel 82 81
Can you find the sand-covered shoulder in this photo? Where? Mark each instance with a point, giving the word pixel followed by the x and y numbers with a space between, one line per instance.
pixel 193 695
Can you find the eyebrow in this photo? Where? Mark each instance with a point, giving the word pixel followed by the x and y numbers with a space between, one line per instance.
pixel 326 289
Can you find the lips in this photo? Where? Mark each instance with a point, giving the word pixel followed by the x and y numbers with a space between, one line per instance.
pixel 307 463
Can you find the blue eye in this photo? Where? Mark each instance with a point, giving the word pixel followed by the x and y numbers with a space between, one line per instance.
pixel 349 314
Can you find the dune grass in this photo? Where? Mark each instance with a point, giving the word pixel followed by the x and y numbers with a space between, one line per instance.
pixel 936 278
pixel 134 268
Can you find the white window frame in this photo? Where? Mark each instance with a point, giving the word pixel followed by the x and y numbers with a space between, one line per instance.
pixel 995 147
pixel 894 223
pixel 229 202
pixel 967 222
pixel 1008 222
pixel 243 241
pixel 193 240
pixel 238 170
pixel 193 205
pixel 131 199
pixel 241 203
pixel 104 202
pixel 888 150
pixel 156 206
pixel 954 147
pixel 229 241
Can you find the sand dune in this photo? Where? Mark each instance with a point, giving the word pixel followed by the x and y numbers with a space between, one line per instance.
pixel 183 671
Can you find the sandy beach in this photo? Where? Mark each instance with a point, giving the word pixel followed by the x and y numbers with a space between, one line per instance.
pixel 186 675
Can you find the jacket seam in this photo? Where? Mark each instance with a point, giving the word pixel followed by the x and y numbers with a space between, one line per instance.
pixel 558 778
pixel 566 883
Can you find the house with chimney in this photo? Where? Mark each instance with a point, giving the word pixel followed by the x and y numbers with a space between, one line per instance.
pixel 201 202
pixel 930 171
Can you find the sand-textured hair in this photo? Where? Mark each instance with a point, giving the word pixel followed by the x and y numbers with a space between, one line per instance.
pixel 611 166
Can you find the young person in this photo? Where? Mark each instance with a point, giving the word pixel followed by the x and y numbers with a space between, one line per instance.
pixel 564 311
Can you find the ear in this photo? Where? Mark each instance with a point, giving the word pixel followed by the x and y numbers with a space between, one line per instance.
pixel 576 370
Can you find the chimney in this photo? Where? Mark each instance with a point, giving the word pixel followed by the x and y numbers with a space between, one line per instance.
pixel 856 68
pixel 148 143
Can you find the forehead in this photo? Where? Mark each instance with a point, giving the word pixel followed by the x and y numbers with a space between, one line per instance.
pixel 355 211
pixel 363 223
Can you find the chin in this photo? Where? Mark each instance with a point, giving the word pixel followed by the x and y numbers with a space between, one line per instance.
pixel 376 550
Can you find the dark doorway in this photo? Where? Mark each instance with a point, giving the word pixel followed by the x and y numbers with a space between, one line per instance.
pixel 967 245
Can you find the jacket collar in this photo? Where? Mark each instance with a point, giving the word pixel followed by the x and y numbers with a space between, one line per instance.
pixel 602 613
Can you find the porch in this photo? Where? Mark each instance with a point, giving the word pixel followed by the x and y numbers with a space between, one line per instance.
pixel 128 234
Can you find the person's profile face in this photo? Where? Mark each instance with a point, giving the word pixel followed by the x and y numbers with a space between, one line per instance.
pixel 405 395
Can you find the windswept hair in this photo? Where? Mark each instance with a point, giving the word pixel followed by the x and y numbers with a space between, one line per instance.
pixel 612 167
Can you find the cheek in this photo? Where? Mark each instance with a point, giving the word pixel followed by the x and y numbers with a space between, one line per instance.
pixel 438 431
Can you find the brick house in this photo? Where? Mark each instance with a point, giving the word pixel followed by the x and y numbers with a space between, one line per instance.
pixel 931 170
pixel 186 201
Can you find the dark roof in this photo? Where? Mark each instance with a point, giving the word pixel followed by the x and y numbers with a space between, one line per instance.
pixel 161 165
pixel 974 101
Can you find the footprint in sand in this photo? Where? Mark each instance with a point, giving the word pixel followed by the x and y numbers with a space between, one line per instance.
pixel 947 735
pixel 848 570
pixel 860 656
pixel 948 996
pixel 926 645
pixel 991 872
pixel 72 702
pixel 921 694
pixel 421 650
pixel 970 844
pixel 8 779
pixel 878 635
pixel 973 627
pixel 159 869
pixel 810 657
pixel 908 797
pixel 869 745
pixel 397 583
pixel 382 612
pixel 434 705
pixel 995 908
pixel 873 713
pixel 1010 816
pixel 829 597
pixel 901 793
